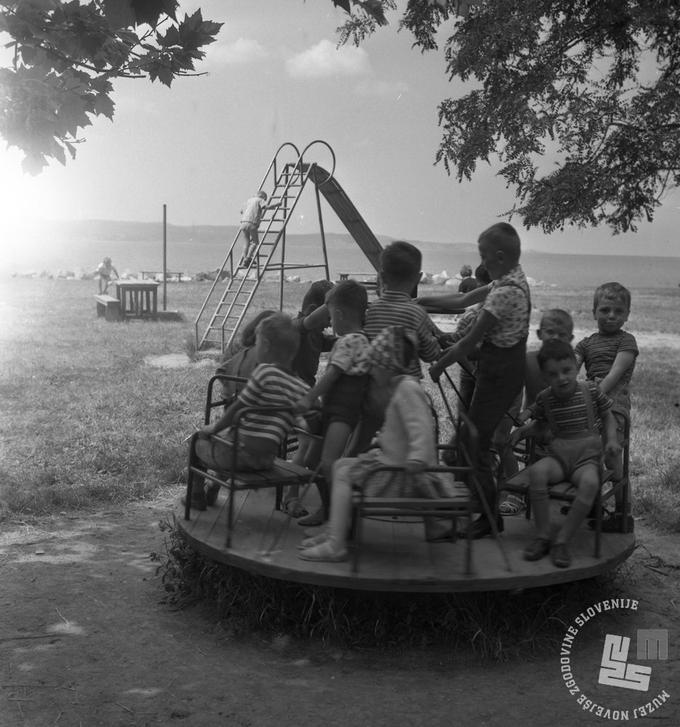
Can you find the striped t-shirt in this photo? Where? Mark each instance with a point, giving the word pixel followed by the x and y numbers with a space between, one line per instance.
pixel 395 308
pixel 270 385
pixel 597 353
pixel 571 415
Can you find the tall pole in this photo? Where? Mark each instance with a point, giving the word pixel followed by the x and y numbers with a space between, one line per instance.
pixel 165 251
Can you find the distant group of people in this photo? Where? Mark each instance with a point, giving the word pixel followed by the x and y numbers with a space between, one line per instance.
pixel 375 355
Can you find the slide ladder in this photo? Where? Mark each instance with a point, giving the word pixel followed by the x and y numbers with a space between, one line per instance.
pixel 235 285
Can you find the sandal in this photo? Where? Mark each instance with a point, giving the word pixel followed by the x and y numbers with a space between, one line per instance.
pixel 512 505
pixel 312 541
pixel 294 507
pixel 324 552
pixel 314 519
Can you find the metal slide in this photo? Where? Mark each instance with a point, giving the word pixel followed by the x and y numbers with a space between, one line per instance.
pixel 230 295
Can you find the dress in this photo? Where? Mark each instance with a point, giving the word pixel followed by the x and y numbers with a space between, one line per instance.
pixel 407 434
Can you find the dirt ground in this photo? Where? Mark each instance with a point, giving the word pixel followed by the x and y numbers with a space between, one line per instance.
pixel 86 640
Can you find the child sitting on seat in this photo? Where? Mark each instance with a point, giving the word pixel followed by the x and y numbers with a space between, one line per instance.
pixel 609 358
pixel 555 325
pixel 271 384
pixel 406 440
pixel 343 384
pixel 241 360
pixel 311 322
pixel 575 414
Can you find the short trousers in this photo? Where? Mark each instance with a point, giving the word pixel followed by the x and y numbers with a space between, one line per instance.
pixel 343 404
pixel 572 454
pixel 217 454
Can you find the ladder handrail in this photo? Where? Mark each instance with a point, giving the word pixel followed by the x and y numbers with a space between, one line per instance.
pixel 290 170
pixel 288 174
pixel 330 149
pixel 229 256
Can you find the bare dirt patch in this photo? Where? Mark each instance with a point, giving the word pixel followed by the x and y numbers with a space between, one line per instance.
pixel 87 640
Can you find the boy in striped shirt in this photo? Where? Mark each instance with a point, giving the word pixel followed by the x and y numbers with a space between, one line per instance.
pixel 272 384
pixel 609 358
pixel 575 414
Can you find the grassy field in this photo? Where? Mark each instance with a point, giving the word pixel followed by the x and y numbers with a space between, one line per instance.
pixel 87 419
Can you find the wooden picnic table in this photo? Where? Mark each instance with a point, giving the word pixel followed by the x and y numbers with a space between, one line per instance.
pixel 138 299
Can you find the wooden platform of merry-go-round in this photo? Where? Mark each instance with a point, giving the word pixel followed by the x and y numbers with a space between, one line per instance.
pixel 394 555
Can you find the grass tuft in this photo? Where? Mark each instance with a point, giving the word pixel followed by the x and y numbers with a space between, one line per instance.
pixel 498 626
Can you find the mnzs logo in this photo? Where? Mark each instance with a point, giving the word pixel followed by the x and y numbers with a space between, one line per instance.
pixel 615 671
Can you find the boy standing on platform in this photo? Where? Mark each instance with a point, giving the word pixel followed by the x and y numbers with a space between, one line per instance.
pixel 501 328
pixel 342 386
pixel 609 357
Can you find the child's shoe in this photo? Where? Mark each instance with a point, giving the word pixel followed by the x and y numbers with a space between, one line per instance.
pixel 614 523
pixel 198 501
pixel 537 549
pixel 211 494
pixel 325 552
pixel 313 540
pixel 314 519
pixel 512 505
pixel 560 555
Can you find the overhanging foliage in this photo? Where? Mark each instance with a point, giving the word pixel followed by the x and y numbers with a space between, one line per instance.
pixel 578 101
pixel 66 54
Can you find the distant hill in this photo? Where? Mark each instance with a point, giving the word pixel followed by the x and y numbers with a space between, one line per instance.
pixel 78 231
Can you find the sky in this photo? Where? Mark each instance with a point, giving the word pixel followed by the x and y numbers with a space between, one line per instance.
pixel 276 75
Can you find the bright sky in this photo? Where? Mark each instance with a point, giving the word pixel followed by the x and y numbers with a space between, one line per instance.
pixel 275 75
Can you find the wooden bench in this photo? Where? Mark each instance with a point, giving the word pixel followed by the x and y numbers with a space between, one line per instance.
pixel 109 307
pixel 158 275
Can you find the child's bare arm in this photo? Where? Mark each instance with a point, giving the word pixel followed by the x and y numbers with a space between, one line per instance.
pixel 612 446
pixel 225 420
pixel 623 361
pixel 465 346
pixel 318 319
pixel 531 429
pixel 322 386
pixel 453 301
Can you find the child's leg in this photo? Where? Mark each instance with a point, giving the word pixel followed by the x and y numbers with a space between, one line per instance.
pixel 546 471
pixel 499 380
pixel 334 444
pixel 616 463
pixel 335 546
pixel 307 455
pixel 587 480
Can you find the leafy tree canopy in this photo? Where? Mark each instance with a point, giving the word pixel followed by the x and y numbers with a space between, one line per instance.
pixel 65 55
pixel 578 99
